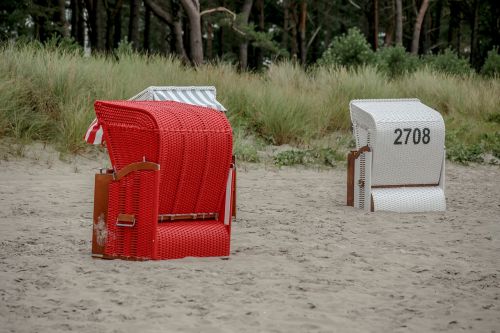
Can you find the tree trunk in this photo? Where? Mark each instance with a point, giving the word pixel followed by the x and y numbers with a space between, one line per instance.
pixel 77 22
pixel 389 27
pixel 259 52
pixel 175 24
pixel 399 22
pixel 286 20
pixel 210 41
pixel 302 32
pixel 326 19
pixel 436 25
pixel 101 25
pixel 454 25
pixel 474 45
pixel 109 28
pixel 92 24
pixel 133 27
pixel 293 40
pixel 147 29
pixel 425 35
pixel 195 40
pixel 62 18
pixel 73 6
pixel 117 37
pixel 245 14
pixel 418 26
pixel 96 26
pixel 113 24
pixel 221 39
pixel 192 8
pixel 375 25
pixel 39 27
pixel 179 41
pixel 243 56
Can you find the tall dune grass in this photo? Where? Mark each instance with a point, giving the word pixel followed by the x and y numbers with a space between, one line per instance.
pixel 48 95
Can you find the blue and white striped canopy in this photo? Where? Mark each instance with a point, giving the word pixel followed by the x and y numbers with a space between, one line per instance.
pixel 201 96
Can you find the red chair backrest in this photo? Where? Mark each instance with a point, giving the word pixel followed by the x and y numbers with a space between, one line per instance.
pixel 192 144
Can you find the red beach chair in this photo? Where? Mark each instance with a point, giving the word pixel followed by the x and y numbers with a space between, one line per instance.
pixel 171 191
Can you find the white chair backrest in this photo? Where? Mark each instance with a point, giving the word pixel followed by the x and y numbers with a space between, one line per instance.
pixel 406 138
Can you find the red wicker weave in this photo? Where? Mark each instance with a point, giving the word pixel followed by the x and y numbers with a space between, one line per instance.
pixel 193 146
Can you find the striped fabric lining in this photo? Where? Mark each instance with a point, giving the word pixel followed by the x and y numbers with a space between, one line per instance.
pixel 201 96
pixel 94 133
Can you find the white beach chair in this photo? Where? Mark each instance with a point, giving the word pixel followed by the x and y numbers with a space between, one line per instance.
pixel 399 162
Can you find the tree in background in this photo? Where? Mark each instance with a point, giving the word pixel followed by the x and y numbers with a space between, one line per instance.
pixel 255 32
pixel 418 26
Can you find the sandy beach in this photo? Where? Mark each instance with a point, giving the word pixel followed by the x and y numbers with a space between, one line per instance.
pixel 301 261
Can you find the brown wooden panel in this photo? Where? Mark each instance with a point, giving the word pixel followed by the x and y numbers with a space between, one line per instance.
pixel 405 185
pixel 351 157
pixel 110 257
pixel 194 216
pixel 99 230
pixel 234 190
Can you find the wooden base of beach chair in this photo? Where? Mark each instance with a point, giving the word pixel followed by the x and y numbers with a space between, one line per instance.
pixel 99 231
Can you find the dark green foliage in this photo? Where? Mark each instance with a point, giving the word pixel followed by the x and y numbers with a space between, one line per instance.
pixel 315 156
pixel 13 14
pixel 395 61
pixel 246 154
pixel 124 48
pixel 460 152
pixel 491 66
pixel 349 50
pixel 490 142
pixel 63 44
pixel 494 117
pixel 274 30
pixel 264 40
pixel 289 157
pixel 464 154
pixel 448 62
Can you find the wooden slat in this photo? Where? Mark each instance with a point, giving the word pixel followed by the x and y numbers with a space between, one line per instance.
pixel 138 166
pixel 405 185
pixel 350 177
pixel 100 213
pixel 351 158
pixel 125 218
pixel 234 187
pixel 194 216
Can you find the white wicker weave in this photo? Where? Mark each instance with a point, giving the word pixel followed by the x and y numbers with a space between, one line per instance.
pixel 406 139
pixel 409 199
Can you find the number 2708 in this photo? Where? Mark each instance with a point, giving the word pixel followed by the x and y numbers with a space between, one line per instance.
pixel 416 134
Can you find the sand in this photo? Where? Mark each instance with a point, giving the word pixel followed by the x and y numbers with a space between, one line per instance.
pixel 300 260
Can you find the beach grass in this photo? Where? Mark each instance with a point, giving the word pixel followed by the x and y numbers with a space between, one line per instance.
pixel 47 95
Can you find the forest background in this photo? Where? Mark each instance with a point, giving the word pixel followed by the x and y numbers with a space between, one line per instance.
pixel 285 69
